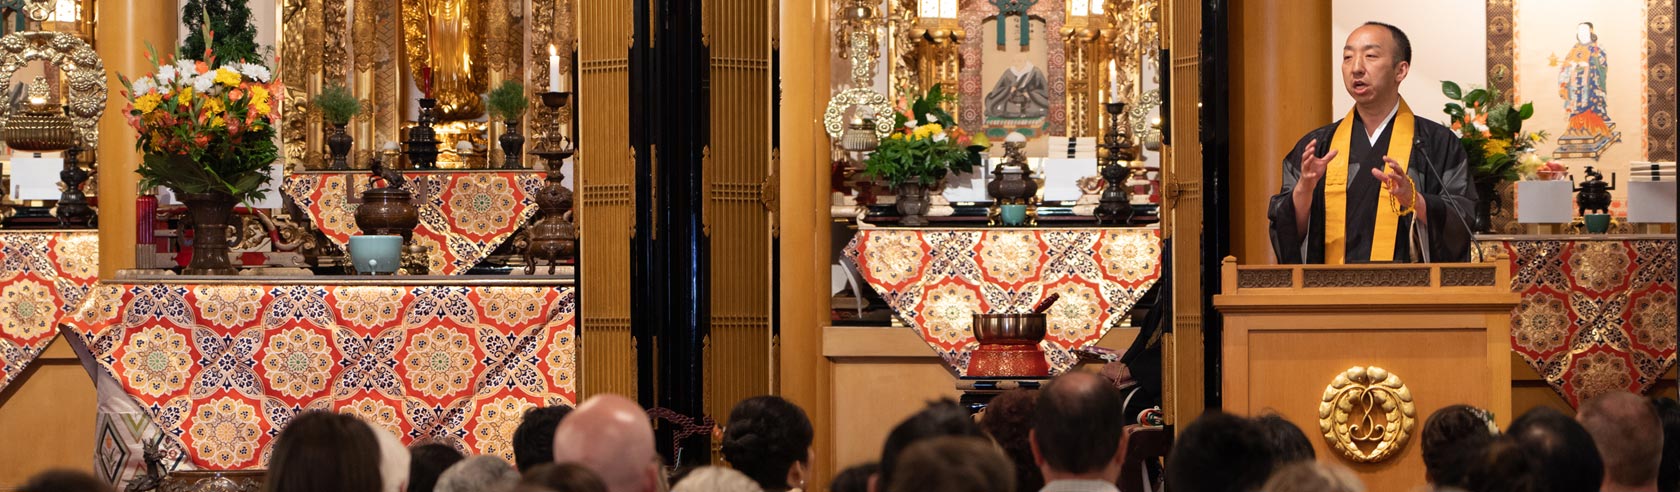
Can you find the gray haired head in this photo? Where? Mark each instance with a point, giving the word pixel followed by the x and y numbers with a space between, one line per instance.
pixel 480 473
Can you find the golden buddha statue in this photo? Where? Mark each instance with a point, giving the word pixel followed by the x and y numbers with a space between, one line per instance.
pixel 445 39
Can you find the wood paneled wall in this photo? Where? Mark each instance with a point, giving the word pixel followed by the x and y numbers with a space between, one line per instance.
pixel 740 162
pixel 1281 81
pixel 605 199
pixel 1182 397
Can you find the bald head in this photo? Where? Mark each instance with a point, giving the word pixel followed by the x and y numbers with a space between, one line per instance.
pixel 1629 437
pixel 610 435
pixel 1077 427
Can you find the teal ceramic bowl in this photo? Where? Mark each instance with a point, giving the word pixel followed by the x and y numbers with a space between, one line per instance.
pixel 375 254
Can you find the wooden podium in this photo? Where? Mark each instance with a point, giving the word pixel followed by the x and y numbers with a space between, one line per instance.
pixel 1305 342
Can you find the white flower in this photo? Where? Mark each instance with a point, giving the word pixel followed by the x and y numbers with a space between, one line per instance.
pixel 143 85
pixel 203 82
pixel 257 72
pixel 939 137
pixel 185 68
pixel 166 75
pixel 910 123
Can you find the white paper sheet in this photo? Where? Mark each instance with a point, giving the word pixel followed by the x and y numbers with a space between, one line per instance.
pixel 35 178
pixel 1061 177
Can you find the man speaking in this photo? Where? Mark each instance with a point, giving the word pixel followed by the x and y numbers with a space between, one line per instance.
pixel 1381 184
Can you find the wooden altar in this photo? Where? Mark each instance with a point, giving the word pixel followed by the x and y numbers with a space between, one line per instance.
pixel 1440 334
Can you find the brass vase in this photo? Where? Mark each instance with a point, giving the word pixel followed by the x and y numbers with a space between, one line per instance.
pixel 512 145
pixel 209 213
pixel 912 205
pixel 339 144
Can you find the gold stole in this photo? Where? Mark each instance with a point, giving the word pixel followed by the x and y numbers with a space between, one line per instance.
pixel 1335 190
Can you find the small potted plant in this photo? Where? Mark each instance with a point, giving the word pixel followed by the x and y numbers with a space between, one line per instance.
pixel 925 147
pixel 337 106
pixel 508 103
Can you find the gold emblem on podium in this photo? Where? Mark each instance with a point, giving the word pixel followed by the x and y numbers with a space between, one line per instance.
pixel 1367 414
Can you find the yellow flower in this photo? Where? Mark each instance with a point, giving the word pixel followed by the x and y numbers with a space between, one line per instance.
pixel 218 122
pixel 927 130
pixel 259 95
pixel 185 95
pixel 897 136
pixel 214 106
pixel 260 107
pixel 147 103
pixel 1496 146
pixel 227 77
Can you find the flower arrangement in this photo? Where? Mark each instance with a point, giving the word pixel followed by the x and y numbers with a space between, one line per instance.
pixel 926 145
pixel 205 126
pixel 1490 128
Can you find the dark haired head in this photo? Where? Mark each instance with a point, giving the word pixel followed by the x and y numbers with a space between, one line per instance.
pixel 1287 442
pixel 1563 451
pixel 1628 433
pixel 1505 466
pixel 1009 420
pixel 939 418
pixel 766 436
pixel 321 450
pixel 1076 425
pixel 1453 440
pixel 854 478
pixel 533 440
pixel 1233 445
pixel 64 481
pixel 1402 44
pixel 953 464
pixel 1668 478
pixel 426 462
pixel 560 477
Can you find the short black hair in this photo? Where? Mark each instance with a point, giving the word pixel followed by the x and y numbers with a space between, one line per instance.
pixel 1668 476
pixel 940 418
pixel 1402 52
pixel 1454 439
pixel 1232 445
pixel 1563 450
pixel 64 480
pixel 1009 420
pixel 322 450
pixel 533 440
pixel 1077 424
pixel 854 478
pixel 765 436
pixel 427 462
pixel 1288 443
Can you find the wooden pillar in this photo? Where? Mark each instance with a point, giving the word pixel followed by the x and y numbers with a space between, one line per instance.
pixel 804 222
pixel 124 28
pixel 1281 74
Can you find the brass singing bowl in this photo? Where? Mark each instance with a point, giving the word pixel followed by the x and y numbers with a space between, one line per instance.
pixel 1009 329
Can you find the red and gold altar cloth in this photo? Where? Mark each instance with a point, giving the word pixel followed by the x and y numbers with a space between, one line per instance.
pixel 43 274
pixel 1597 312
pixel 221 366
pixel 464 216
pixel 936 279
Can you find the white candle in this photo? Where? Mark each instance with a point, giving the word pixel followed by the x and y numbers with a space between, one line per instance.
pixel 553 70
pixel 565 129
pixel 1113 83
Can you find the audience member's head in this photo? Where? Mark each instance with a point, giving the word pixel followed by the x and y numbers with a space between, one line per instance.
pixel 769 440
pixel 1563 451
pixel 940 418
pixel 716 479
pixel 533 440
pixel 426 461
pixel 1288 443
pixel 1668 478
pixel 610 435
pixel 321 450
pixel 1076 428
pixel 1628 433
pixel 1311 476
pixel 1505 466
pixel 1009 420
pixel 1232 445
pixel 1453 440
pixel 64 481
pixel 854 478
pixel 481 473
pixel 560 477
pixel 393 459
pixel 953 464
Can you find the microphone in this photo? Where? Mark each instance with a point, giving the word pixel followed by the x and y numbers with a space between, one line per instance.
pixel 1417 143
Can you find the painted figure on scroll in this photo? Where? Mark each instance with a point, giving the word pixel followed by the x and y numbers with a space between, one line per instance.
pixel 1381 184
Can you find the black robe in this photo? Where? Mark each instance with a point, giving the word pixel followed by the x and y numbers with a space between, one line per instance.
pixel 1438 167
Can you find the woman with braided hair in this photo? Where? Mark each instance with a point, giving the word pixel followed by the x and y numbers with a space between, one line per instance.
pixel 769 439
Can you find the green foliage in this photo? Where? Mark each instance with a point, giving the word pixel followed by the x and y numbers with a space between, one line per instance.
pixel 337 105
pixel 1489 126
pixel 234 38
pixel 922 161
pixel 507 101
pixel 240 170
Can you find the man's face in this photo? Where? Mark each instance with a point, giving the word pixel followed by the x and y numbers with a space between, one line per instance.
pixel 1370 67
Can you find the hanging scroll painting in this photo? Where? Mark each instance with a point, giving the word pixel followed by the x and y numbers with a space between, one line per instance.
pixel 1013 78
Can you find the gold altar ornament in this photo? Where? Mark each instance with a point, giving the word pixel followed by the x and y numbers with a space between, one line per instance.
pixel 42 127
pixel 443 41
pixel 1367 407
pixel 862 94
pixel 80 64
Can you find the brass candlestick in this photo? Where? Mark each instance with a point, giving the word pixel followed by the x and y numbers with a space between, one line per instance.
pixel 553 237
pixel 1115 152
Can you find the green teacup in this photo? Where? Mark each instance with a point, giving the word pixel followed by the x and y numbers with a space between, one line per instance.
pixel 1012 215
pixel 1597 223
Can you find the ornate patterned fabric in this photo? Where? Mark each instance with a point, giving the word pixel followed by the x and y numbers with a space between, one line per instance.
pixel 935 280
pixel 463 215
pixel 221 368
pixel 1595 315
pixel 42 276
